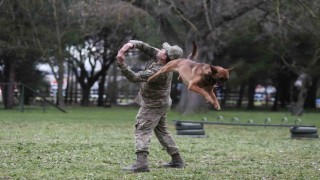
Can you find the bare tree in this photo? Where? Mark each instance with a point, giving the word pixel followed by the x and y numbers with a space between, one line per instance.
pixel 296 24
pixel 104 29
pixel 182 22
pixel 53 26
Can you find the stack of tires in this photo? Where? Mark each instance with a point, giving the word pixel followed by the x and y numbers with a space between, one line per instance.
pixel 304 132
pixel 190 129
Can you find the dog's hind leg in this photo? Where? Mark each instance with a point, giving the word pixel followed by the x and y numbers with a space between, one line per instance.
pixel 164 69
pixel 154 75
pixel 170 66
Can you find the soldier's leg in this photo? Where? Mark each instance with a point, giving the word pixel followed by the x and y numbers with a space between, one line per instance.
pixel 164 136
pixel 146 120
pixel 168 143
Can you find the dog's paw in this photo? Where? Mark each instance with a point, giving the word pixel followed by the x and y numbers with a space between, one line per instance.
pixel 217 106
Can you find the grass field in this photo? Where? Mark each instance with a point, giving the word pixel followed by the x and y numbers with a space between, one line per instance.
pixel 95 143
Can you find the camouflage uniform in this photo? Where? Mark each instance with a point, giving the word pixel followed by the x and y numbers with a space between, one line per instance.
pixel 154 100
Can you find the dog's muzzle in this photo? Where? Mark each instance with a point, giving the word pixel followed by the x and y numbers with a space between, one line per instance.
pixel 217 82
pixel 220 82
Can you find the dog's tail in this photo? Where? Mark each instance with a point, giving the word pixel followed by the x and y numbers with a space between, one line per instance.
pixel 194 53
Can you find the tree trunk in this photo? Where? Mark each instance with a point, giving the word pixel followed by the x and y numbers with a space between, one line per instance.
pixel 113 86
pixel 189 100
pixel 277 95
pixel 224 93
pixel 312 93
pixel 301 84
pixel 85 95
pixel 60 101
pixel 101 90
pixel 67 92
pixel 251 92
pixel 239 101
pixel 76 93
pixel 9 78
pixel 286 93
pixel 60 57
pixel 71 88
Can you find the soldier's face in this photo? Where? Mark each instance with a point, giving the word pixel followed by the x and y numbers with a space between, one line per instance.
pixel 162 55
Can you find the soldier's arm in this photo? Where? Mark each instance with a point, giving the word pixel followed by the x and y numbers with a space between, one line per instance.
pixel 141 76
pixel 132 76
pixel 145 48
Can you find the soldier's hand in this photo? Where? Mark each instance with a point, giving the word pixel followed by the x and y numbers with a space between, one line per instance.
pixel 120 57
pixel 126 47
pixel 123 51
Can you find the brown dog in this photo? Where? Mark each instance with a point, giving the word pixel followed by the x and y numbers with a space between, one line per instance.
pixel 198 77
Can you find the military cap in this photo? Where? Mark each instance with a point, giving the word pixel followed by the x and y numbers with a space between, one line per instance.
pixel 174 52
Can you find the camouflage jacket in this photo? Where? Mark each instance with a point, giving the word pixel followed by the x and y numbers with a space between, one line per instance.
pixel 155 94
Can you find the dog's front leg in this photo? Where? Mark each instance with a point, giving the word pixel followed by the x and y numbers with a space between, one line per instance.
pixel 216 103
pixel 199 90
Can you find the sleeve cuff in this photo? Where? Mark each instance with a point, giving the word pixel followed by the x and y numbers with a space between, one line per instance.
pixel 122 66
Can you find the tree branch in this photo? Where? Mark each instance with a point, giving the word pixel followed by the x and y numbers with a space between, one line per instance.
pixel 285 62
pixel 226 17
pixel 205 7
pixel 166 27
pixel 193 27
pixel 303 4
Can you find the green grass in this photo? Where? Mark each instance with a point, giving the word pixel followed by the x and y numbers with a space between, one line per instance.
pixel 95 143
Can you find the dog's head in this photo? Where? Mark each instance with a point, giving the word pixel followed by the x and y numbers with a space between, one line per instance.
pixel 219 75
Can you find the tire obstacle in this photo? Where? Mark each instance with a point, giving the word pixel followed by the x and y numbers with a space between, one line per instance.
pixel 196 128
pixel 304 132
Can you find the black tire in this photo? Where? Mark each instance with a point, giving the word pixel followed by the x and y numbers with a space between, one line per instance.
pixel 314 135
pixel 185 126
pixel 190 132
pixel 303 130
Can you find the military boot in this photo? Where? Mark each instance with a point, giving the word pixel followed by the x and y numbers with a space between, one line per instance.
pixel 141 164
pixel 176 162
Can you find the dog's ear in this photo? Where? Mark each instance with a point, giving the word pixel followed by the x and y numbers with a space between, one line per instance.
pixel 230 69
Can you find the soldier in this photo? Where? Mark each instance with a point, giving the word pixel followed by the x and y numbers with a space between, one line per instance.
pixel 154 100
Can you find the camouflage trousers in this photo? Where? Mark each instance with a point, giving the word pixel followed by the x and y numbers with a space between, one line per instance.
pixel 149 120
